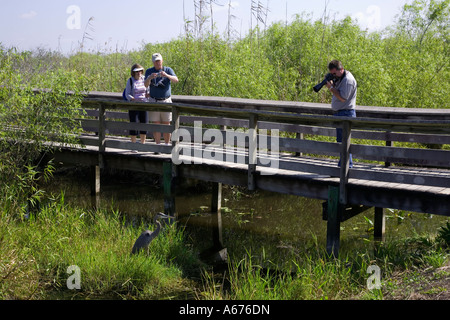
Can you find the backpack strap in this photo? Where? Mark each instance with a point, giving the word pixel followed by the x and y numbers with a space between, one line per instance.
pixel 131 86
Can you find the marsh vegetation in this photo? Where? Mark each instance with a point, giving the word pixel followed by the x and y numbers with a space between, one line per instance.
pixel 405 65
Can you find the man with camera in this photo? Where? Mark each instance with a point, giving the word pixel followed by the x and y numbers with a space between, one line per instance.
pixel 344 88
pixel 158 80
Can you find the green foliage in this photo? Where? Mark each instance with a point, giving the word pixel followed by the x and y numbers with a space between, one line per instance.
pixel 404 65
pixel 33 123
pixel 312 277
pixel 444 234
pixel 35 255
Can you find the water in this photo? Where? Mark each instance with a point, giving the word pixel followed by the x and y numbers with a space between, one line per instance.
pixel 274 225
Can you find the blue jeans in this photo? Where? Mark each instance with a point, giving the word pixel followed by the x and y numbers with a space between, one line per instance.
pixel 344 113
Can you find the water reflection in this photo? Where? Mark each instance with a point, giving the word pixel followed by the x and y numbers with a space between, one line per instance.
pixel 266 223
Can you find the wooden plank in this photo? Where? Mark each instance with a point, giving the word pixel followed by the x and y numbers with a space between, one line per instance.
pixel 89 140
pixel 426 157
pixel 321 168
pixel 402 137
pixel 390 196
pixel 149 127
pixel 134 162
pixel 128 145
pixel 398 176
pixel 219 121
pixel 309 146
pixel 226 175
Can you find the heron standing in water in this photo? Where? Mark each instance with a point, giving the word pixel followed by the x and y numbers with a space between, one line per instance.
pixel 147 236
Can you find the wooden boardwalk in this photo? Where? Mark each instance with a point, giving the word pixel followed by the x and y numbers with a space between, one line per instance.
pixel 400 156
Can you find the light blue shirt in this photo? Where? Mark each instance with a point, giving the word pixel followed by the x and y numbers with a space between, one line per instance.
pixel 347 88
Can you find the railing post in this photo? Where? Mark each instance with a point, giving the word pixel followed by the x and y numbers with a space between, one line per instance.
pixel 299 135
pixel 345 161
pixel 96 170
pixel 101 135
pixel 252 151
pixel 387 164
pixel 176 141
pixel 337 197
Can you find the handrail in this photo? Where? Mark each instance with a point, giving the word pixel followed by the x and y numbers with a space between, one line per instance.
pixel 404 125
pixel 295 106
pixel 255 116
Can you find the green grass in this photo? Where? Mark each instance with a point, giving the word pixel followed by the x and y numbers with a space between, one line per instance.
pixel 36 253
pixel 409 267
pixel 312 276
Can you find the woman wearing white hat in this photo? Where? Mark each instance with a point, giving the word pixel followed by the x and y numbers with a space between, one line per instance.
pixel 136 91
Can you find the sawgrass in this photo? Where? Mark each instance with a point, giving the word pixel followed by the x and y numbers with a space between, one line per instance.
pixel 419 260
pixel 36 252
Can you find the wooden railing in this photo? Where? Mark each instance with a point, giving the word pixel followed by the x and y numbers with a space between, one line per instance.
pixel 300 134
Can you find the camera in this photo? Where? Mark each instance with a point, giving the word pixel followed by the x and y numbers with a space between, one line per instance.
pixel 328 77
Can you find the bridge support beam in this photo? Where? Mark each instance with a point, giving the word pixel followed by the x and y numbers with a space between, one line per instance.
pixel 216 215
pixel 216 255
pixel 168 186
pixel 379 224
pixel 95 186
pixel 334 210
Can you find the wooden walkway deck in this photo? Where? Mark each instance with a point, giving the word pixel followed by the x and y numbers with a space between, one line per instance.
pixel 284 147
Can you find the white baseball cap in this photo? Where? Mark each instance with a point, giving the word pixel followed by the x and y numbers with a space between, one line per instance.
pixel 138 69
pixel 156 57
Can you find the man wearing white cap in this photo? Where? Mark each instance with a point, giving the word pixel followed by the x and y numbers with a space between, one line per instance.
pixel 158 79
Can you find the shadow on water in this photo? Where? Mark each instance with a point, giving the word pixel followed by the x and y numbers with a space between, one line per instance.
pixel 264 223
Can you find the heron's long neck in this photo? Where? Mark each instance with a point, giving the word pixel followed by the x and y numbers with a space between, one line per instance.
pixel 158 227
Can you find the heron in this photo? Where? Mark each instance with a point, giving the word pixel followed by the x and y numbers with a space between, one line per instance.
pixel 147 236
